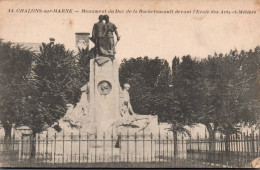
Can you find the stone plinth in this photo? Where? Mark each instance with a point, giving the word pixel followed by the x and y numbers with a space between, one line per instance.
pixel 103 95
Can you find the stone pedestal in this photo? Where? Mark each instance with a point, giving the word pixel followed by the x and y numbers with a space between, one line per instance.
pixel 98 110
pixel 104 95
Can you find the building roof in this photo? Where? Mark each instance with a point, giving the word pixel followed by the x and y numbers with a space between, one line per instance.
pixel 23 128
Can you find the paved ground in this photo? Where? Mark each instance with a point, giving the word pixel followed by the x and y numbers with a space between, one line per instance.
pixel 183 163
pixel 92 165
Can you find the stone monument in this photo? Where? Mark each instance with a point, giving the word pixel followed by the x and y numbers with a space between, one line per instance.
pixel 104 93
pixel 104 106
pixel 104 79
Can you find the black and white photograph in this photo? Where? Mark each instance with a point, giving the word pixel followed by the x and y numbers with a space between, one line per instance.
pixel 129 84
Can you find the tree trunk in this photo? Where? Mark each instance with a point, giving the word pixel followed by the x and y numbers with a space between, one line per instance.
pixel 212 141
pixel 33 145
pixel 175 146
pixel 227 148
pixel 227 138
pixel 212 137
pixel 8 131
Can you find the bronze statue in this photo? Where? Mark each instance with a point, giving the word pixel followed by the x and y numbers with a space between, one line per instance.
pixel 98 33
pixel 111 28
pixel 103 37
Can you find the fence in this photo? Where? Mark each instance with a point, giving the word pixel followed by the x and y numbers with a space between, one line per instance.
pixel 105 148
pixel 237 151
pixel 9 151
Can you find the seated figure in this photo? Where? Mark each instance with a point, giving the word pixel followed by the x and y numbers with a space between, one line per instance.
pixel 126 107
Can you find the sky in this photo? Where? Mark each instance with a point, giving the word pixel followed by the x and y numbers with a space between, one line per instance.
pixel 162 35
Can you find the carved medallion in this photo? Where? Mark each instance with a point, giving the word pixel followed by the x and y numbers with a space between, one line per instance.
pixel 104 87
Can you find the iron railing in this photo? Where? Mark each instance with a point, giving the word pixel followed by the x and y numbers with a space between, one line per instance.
pixel 236 151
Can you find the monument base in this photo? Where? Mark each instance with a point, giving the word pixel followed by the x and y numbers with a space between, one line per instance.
pixel 102 105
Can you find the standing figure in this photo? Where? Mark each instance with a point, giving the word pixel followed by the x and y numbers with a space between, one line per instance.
pixel 111 28
pixel 98 33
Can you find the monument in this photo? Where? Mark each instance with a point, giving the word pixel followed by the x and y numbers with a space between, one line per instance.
pixel 104 78
pixel 104 106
